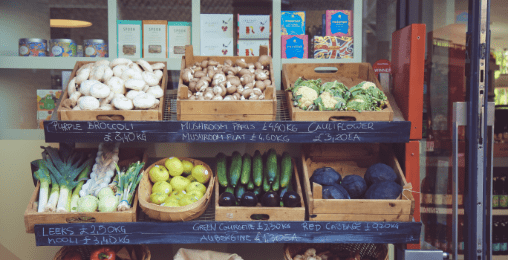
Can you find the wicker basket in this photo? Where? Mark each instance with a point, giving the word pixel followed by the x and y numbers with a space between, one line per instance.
pixel 142 251
pixel 344 251
pixel 184 213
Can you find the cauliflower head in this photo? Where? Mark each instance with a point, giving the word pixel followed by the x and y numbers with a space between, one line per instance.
pixel 305 96
pixel 360 103
pixel 326 101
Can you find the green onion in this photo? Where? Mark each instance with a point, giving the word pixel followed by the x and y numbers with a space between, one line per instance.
pixel 127 183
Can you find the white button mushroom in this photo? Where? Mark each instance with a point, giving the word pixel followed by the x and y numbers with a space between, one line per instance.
pixel 144 101
pixel 86 66
pixel 158 66
pixel 83 75
pixel 118 70
pixel 98 72
pixel 135 84
pixel 71 87
pixel 108 73
pixel 117 85
pixel 86 85
pixel 131 74
pixel 159 74
pixel 119 61
pixel 107 107
pixel 89 103
pixel 145 65
pixel 135 67
pixel 133 94
pixel 107 100
pixel 99 90
pixel 156 91
pixel 122 103
pixel 150 78
pixel 102 62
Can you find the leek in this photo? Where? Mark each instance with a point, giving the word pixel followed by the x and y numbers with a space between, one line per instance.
pixel 127 183
pixel 42 174
pixel 75 194
pixel 65 167
pixel 53 196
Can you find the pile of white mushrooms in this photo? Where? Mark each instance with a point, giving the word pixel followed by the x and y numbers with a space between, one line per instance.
pixel 210 80
pixel 117 85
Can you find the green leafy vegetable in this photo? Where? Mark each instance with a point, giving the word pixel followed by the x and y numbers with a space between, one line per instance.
pixel 42 174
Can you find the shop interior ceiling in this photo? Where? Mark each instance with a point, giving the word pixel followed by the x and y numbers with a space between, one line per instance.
pixel 96 11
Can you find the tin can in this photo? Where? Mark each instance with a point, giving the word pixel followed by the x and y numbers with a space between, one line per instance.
pixel 95 48
pixel 33 47
pixel 63 48
pixel 80 51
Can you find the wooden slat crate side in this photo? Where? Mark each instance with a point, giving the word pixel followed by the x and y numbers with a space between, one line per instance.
pixel 247 110
pixel 120 115
pixel 32 217
pixel 353 159
pixel 350 74
pixel 239 213
pixel 361 217
pixel 225 117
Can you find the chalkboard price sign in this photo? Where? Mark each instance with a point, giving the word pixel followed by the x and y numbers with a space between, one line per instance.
pixel 226 232
pixel 227 132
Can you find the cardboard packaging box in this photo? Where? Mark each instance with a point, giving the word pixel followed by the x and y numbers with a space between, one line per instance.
pixel 295 46
pixel 339 23
pixel 254 26
pixel 331 47
pixel 46 103
pixel 179 35
pixel 129 39
pixel 251 47
pixel 216 34
pixel 292 23
pixel 155 39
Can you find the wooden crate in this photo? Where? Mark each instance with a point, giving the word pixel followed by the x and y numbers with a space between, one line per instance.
pixel 118 115
pixel 354 159
pixel 348 73
pixel 215 110
pixel 33 217
pixel 240 213
pixel 183 213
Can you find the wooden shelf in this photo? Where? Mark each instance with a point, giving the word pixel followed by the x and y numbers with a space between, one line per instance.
pixel 17 62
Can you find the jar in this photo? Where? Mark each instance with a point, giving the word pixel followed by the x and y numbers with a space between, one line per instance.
pixel 33 47
pixel 95 48
pixel 80 51
pixel 63 48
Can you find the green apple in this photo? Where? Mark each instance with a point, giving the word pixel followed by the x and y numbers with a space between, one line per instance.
pixel 158 173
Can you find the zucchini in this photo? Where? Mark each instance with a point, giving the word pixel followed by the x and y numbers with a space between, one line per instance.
pixel 235 169
pixel 271 165
pixel 257 169
pixel 221 169
pixel 240 190
pixel 250 184
pixel 266 184
pixel 230 190
pixel 276 182
pixel 246 169
pixel 286 171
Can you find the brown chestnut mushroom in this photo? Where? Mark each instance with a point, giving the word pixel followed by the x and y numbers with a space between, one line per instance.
pixel 257 91
pixel 197 64
pixel 265 60
pixel 257 71
pixel 246 93
pixel 261 76
pixel 237 96
pixel 208 89
pixel 267 72
pixel 187 75
pixel 198 69
pixel 217 90
pixel 239 89
pixel 228 62
pixel 241 63
pixel 217 97
pixel 243 72
pixel 267 82
pixel 192 97
pixel 208 95
pixel 204 64
pixel 200 98
pixel 253 97
pixel 233 81
pixel 258 65
pixel 246 79
pixel 228 97
pixel 261 97
pixel 199 74
pixel 213 63
pixel 251 66
pixel 218 78
pixel 224 90
pixel 260 85
pixel 201 85
pixel 249 85
pixel 206 78
pixel 231 89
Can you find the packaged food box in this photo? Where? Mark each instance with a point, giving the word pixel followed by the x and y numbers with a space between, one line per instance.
pixel 129 38
pixel 155 39
pixel 339 23
pixel 216 34
pixel 295 46
pixel 179 35
pixel 217 47
pixel 292 23
pixel 254 26
pixel 47 98
pixel 251 47
pixel 332 47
